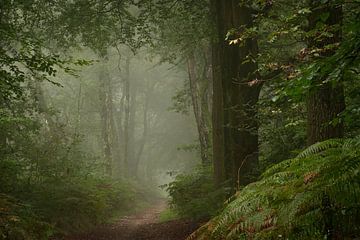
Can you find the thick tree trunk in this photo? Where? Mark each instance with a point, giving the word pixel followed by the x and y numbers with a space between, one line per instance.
pixel 218 133
pixel 326 99
pixel 237 128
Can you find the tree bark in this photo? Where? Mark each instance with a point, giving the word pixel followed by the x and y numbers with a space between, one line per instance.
pixel 325 100
pixel 218 133
pixel 236 93
pixel 200 110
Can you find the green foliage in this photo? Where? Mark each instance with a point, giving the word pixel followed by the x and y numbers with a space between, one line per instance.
pixel 168 215
pixel 51 203
pixel 62 207
pixel 189 18
pixel 283 128
pixel 75 206
pixel 195 195
pixel 18 221
pixel 312 196
pixel 48 185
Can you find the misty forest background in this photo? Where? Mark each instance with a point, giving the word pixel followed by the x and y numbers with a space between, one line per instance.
pixel 245 113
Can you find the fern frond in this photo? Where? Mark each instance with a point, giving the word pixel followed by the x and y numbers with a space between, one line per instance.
pixel 289 199
pixel 320 146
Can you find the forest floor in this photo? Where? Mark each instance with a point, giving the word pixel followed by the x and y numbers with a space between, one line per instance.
pixel 142 226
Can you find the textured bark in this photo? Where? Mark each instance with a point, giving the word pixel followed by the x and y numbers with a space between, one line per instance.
pixel 325 99
pixel 217 99
pixel 237 128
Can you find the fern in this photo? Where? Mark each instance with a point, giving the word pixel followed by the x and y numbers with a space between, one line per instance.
pixel 300 198
pixel 320 146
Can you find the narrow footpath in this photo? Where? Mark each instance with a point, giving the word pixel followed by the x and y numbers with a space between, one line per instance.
pixel 143 226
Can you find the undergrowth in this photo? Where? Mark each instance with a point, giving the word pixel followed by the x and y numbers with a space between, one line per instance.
pixel 63 207
pixel 313 196
pixel 44 194
pixel 168 214
pixel 195 196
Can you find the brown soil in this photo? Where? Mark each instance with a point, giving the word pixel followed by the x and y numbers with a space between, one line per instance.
pixel 143 226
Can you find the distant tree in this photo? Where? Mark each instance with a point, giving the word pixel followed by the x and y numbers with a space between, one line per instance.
pixel 189 48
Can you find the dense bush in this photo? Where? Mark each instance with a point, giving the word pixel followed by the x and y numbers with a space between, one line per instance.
pixel 313 196
pixel 195 195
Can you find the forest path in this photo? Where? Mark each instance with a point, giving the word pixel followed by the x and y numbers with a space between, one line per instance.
pixel 142 226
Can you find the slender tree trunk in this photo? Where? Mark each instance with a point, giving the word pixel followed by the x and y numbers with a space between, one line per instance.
pixel 236 79
pixel 197 95
pixel 79 106
pixel 145 130
pixel 106 117
pixel 326 99
pixel 131 133
pixel 42 105
pixel 129 124
pixel 127 116
pixel 119 133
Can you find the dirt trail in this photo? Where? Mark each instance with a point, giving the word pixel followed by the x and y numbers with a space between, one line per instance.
pixel 143 226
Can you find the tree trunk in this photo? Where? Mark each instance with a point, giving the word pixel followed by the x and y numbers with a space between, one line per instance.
pixel 127 116
pixel 197 96
pixel 236 129
pixel 106 117
pixel 78 113
pixel 145 130
pixel 325 100
pixel 119 133
pixel 131 132
pixel 43 106
pixel 218 133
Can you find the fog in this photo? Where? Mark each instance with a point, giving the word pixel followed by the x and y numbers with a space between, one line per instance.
pixel 173 120
pixel 122 109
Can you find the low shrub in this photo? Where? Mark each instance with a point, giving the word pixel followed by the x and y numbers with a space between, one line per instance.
pixel 195 195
